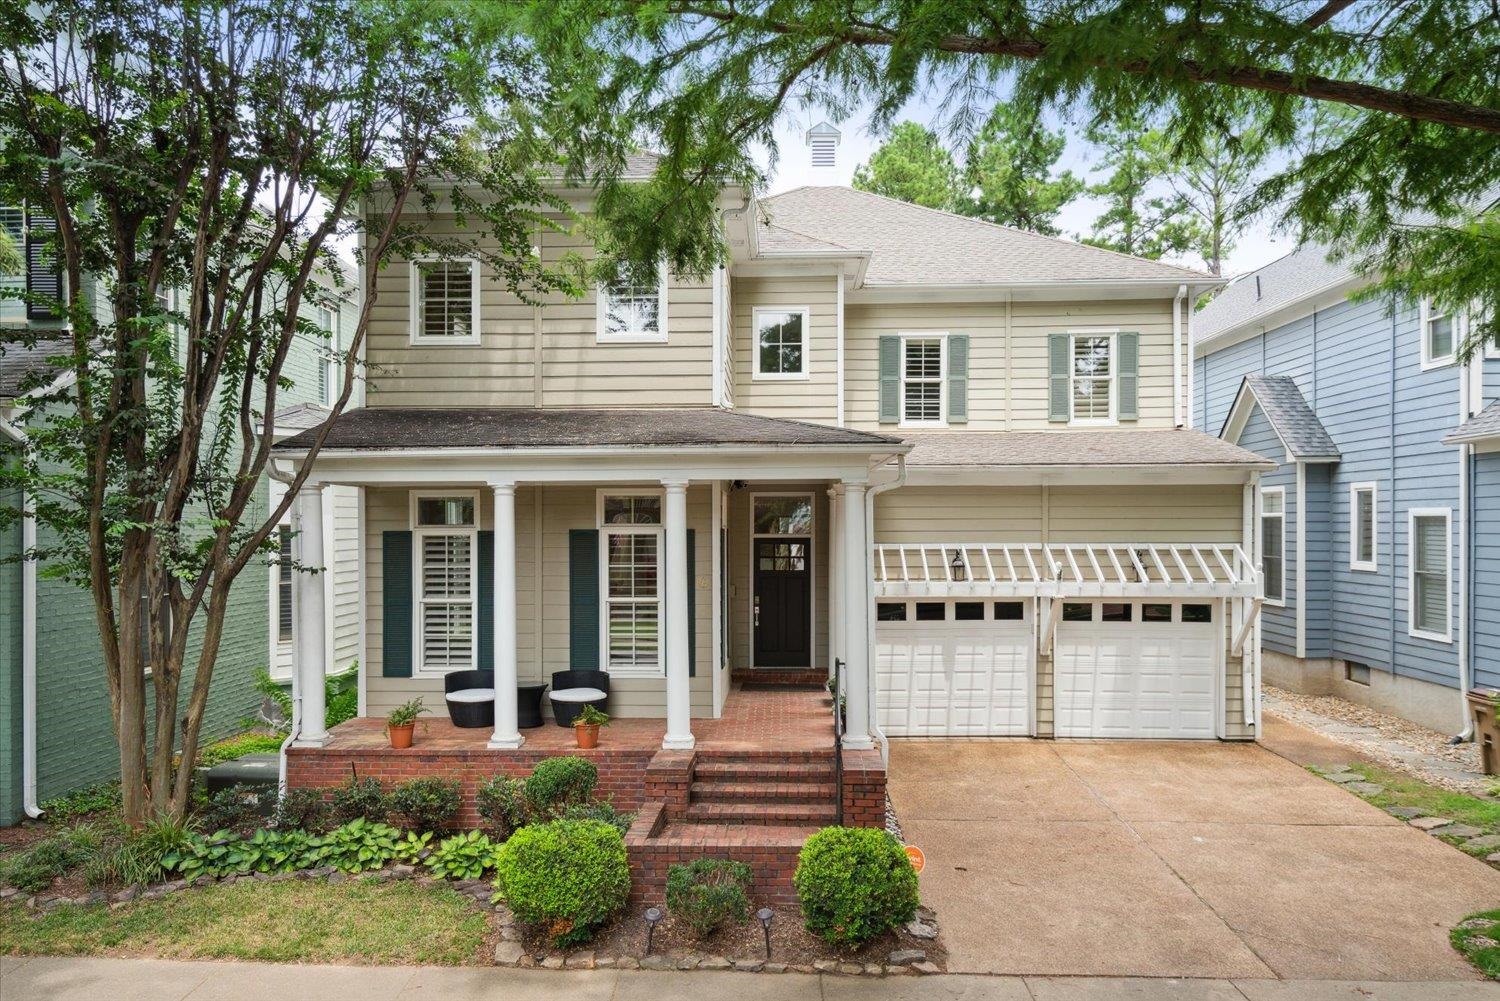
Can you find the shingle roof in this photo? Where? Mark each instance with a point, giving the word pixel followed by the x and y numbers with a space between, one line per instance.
pixel 1485 424
pixel 1299 275
pixel 779 240
pixel 301 416
pixel 378 428
pixel 1165 447
pixel 18 361
pixel 912 245
pixel 1286 408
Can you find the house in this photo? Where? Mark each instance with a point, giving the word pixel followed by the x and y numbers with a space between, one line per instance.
pixel 946 457
pixel 55 730
pixel 1378 525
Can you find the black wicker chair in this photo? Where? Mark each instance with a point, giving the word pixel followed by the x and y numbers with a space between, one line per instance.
pixel 572 690
pixel 471 698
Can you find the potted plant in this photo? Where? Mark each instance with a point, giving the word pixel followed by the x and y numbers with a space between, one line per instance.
pixel 586 726
pixel 402 721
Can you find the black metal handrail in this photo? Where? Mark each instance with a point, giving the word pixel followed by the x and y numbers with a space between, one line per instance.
pixel 838 740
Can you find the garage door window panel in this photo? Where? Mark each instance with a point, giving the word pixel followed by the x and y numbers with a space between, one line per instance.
pixel 890 611
pixel 1009 611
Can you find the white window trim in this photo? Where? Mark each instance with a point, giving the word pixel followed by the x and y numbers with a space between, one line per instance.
pixel 419 669
pixel 415 285
pixel 605 531
pixel 757 375
pixel 812 566
pixel 328 354
pixel 941 336
pixel 1373 563
pixel 601 300
pixel 1446 636
pixel 1425 315
pixel 1261 516
pixel 1113 333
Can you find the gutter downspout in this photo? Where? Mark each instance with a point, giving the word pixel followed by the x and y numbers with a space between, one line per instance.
pixel 1177 406
pixel 722 318
pixel 870 684
pixel 1464 397
pixel 295 730
pixel 28 641
pixel 1192 365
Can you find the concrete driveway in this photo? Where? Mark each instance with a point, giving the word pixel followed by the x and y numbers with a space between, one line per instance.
pixel 1164 859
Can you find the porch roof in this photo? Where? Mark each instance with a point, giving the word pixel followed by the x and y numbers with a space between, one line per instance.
pixel 376 429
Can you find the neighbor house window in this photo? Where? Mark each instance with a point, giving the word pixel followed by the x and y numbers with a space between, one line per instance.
pixel 1092 381
pixel 13 222
pixel 328 358
pixel 630 532
pixel 284 584
pixel 1439 335
pixel 922 380
pixel 445 309
pixel 781 343
pixel 1273 543
pixel 444 530
pixel 1430 564
pixel 1362 527
pixel 633 309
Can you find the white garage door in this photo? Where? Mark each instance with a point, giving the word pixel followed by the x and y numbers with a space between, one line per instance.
pixel 1136 669
pixel 954 668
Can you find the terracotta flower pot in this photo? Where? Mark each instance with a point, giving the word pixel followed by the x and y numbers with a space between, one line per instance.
pixel 401 735
pixel 587 733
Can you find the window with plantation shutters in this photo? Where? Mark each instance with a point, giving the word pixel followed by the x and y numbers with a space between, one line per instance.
pixel 1092 381
pixel 13 223
pixel 1429 556
pixel 284 584
pixel 445 306
pixel 630 532
pixel 922 380
pixel 445 539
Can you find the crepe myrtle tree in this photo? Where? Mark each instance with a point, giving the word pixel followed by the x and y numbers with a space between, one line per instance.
pixel 223 150
pixel 1400 179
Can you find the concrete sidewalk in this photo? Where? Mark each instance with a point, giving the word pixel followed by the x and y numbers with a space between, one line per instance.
pixel 49 979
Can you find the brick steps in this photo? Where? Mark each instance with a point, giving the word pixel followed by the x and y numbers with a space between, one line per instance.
pixel 715 770
pixel 763 813
pixel 764 792
pixel 763 788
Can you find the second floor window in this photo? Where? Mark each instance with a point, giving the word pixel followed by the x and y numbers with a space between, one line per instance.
pixel 781 343
pixel 446 305
pixel 1438 336
pixel 1273 543
pixel 446 538
pixel 633 309
pixel 284 584
pixel 922 380
pixel 1092 378
pixel 328 359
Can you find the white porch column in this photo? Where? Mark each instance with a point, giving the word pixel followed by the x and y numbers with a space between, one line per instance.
pixel 856 616
pixel 310 649
pixel 837 641
pixel 506 735
pixel 675 586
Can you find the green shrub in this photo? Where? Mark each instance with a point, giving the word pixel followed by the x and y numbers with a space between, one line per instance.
pixel 238 746
pixel 137 858
pixel 97 798
pixel 854 883
pixel 359 798
pixel 602 811
pixel 707 892
pixel 276 692
pixel 463 856
pixel 300 809
pixel 556 783
pixel 502 804
pixel 340 694
pixel 235 808
pixel 426 804
pixel 34 868
pixel 567 877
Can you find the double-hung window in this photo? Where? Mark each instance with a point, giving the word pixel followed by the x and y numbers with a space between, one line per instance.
pixel 781 343
pixel 630 534
pixel 445 536
pixel 1273 543
pixel 1362 527
pixel 633 309
pixel 1430 556
pixel 922 370
pixel 1091 383
pixel 1439 336
pixel 445 303
pixel 328 352
pixel 284 572
pixel 13 222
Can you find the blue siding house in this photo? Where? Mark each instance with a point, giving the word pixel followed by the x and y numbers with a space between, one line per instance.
pixel 1380 529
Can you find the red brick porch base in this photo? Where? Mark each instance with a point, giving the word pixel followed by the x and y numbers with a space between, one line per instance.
pixel 864 789
pixel 779 675
pixel 654 845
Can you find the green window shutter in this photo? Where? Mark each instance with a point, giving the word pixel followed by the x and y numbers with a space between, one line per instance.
pixel 890 379
pixel 44 276
pixel 1130 376
pixel 486 617
pixel 583 599
pixel 1057 378
pixel 692 589
pixel 958 378
pixel 395 596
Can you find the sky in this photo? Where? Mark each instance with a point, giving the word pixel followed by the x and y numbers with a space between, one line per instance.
pixel 1257 247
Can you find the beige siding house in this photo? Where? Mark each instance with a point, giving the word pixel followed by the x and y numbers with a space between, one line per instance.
pixel 949 459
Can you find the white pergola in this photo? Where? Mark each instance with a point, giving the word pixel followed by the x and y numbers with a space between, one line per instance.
pixel 847 468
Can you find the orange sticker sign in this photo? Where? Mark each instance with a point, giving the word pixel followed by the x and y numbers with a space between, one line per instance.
pixel 918 860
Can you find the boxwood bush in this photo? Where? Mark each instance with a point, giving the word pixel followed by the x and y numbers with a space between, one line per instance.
pixel 854 883
pixel 557 783
pixel 502 803
pixel 707 892
pixel 567 877
pixel 358 798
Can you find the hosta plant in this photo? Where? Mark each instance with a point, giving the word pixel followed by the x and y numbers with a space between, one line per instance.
pixel 463 856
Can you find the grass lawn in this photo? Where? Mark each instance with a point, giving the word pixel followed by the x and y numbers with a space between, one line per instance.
pixel 1478 938
pixel 1403 790
pixel 311 921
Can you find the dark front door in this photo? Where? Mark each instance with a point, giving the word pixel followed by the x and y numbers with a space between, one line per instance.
pixel 782 609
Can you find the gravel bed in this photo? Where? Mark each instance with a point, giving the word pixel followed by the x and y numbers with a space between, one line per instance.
pixel 1388 740
pixel 892 822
